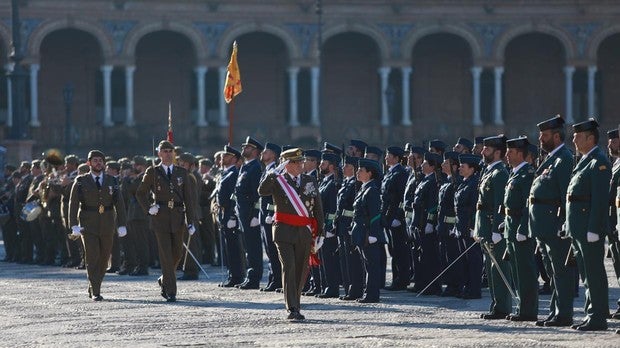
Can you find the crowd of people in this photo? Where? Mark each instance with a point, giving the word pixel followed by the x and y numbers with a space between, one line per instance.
pixel 493 212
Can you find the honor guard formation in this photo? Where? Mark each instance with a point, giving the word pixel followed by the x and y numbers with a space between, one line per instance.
pixel 496 212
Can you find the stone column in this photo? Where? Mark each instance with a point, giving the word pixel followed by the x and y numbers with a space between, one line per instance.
pixel 406 72
pixel 591 75
pixel 9 95
pixel 498 121
pixel 201 71
pixel 568 76
pixel 476 71
pixel 385 74
pixel 129 117
pixel 107 95
pixel 34 96
pixel 223 119
pixel 315 76
pixel 292 91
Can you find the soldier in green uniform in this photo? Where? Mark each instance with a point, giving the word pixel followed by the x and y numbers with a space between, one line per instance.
pixel 546 216
pixel 172 212
pixel 587 221
pixel 489 215
pixel 613 148
pixel 96 207
pixel 520 247
pixel 298 223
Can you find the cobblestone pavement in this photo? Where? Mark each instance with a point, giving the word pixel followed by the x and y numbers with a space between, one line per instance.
pixel 49 306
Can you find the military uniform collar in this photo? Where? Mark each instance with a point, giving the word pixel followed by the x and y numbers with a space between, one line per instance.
pixel 493 164
pixel 556 149
pixel 518 167
pixel 249 161
pixel 367 184
pixel 270 165
pixel 94 176
pixel 165 167
pixel 393 166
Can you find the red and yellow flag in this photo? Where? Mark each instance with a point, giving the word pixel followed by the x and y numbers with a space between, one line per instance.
pixel 233 78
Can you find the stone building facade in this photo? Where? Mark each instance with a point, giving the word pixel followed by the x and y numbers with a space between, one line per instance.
pixel 388 72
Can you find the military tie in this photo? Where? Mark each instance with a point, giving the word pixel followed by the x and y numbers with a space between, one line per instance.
pixel 169 174
pixel 97 182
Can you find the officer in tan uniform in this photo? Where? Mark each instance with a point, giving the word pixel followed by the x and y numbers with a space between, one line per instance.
pixel 298 206
pixel 172 212
pixel 96 207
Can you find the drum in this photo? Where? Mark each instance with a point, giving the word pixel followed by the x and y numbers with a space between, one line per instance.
pixel 31 211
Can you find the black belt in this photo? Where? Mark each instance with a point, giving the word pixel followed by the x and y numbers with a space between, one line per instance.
pixel 165 204
pixel 573 198
pixel 553 202
pixel 109 207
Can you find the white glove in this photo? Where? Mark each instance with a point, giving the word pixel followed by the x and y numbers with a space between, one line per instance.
pixel 318 243
pixel 254 222
pixel 372 240
pixel 395 223
pixel 472 234
pixel 154 209
pixel 122 231
pixel 232 223
pixel 521 237
pixel 592 237
pixel 429 228
pixel 191 229
pixel 269 220
pixel 501 226
pixel 76 232
pixel 496 237
pixel 329 235
pixel 279 168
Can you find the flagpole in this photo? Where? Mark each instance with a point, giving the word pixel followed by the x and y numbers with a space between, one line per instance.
pixel 230 118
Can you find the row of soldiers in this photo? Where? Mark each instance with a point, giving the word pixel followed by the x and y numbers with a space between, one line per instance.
pixel 440 210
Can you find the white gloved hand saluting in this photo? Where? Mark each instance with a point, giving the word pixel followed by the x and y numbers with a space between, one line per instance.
pixel 254 222
pixel 329 235
pixel 154 209
pixel 496 237
pixel 429 228
pixel 592 237
pixel 122 231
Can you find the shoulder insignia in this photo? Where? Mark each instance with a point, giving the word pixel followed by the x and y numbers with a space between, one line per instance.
pixel 603 167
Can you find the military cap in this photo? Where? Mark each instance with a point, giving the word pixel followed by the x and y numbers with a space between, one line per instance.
pixel 249 141
pixel 438 144
pixel 187 157
pixel 359 144
pixel 396 151
pixel 613 134
pixel 327 147
pixel 96 153
pixel 375 150
pixel 72 159
pixel 351 160
pixel 287 147
pixel 139 160
pixel 331 157
pixel 312 153
pixel 83 168
pixel 178 149
pixel 451 155
pixel 369 164
pixel 229 150
pixel 165 144
pixel 408 147
pixel 554 122
pixel 125 165
pixel 25 164
pixel 518 142
pixel 465 142
pixel 471 159
pixel 294 154
pixel 433 159
pixel 16 175
pixel 109 158
pixel 418 149
pixel 9 167
pixel 584 126
pixel 36 162
pixel 273 147
pixel 533 149
pixel 497 141
pixel 479 140
pixel 113 165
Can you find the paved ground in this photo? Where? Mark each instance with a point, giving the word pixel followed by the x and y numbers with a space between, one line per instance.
pixel 48 306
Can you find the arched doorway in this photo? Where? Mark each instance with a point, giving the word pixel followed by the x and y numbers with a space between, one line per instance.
pixel 534 83
pixel 609 79
pixel 441 92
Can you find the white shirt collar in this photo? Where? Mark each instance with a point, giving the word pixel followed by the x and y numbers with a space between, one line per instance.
pixel 556 149
pixel 589 152
pixel 516 169
pixel 171 166
pixel 493 164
